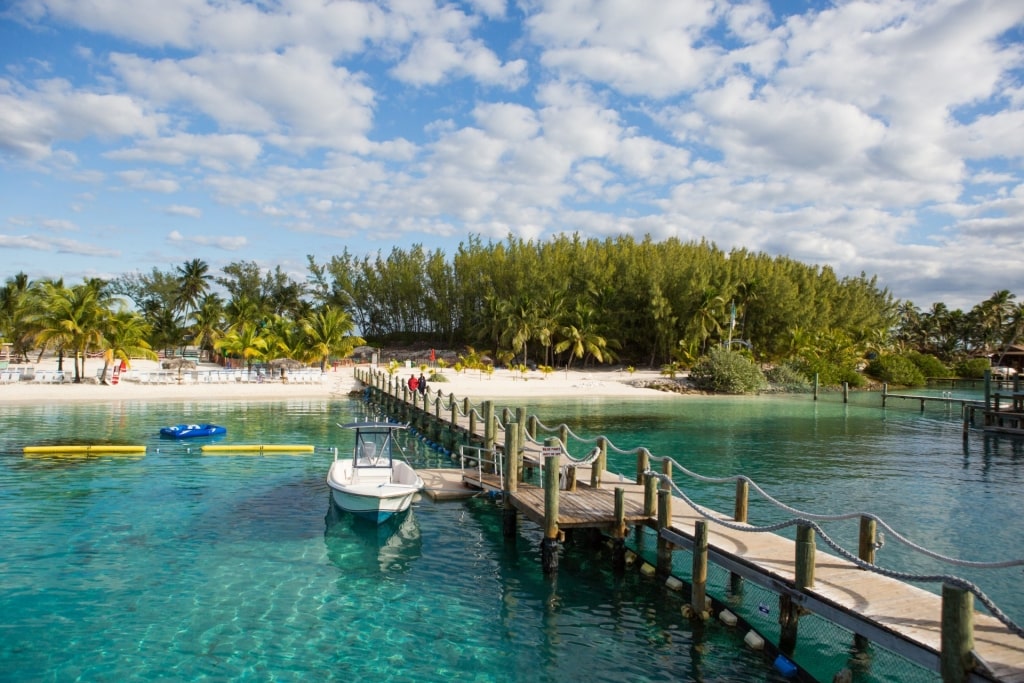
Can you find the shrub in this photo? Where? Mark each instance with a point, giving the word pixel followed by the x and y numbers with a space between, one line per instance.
pixel 786 377
pixel 829 374
pixel 896 370
pixel 727 372
pixel 973 368
pixel 929 365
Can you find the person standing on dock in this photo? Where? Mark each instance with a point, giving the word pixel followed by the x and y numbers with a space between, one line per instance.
pixel 422 384
pixel 413 383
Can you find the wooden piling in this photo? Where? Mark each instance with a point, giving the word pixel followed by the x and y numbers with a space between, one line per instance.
pixel 618 532
pixel 511 483
pixel 698 598
pixel 643 460
pixel 664 567
pixel 650 494
pixel 956 658
pixel 742 501
pixel 868 537
pixel 597 469
pixel 549 544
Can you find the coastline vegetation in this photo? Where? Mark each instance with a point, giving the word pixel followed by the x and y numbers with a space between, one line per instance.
pixel 565 302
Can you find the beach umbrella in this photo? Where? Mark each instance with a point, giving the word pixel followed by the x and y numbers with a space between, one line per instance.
pixel 286 364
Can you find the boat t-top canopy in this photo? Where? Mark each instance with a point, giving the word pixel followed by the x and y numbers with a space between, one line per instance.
pixel 373 443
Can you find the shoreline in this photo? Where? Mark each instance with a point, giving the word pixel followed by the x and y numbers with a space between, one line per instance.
pixel 146 381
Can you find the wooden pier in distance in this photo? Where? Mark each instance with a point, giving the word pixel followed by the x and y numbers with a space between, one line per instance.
pixel 940 633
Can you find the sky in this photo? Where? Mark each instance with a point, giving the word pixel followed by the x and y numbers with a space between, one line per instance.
pixel 883 137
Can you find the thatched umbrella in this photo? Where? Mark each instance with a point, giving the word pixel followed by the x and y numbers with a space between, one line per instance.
pixel 178 364
pixel 285 364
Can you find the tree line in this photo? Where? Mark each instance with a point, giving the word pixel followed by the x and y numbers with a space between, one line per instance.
pixel 554 303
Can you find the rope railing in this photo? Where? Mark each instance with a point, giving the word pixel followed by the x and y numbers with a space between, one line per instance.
pixel 812 522
pixel 799 516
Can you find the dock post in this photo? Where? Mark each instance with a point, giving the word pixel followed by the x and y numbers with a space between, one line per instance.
pixel 520 440
pixel 664 521
pixel 597 469
pixel 488 410
pixel 531 427
pixel 511 483
pixel 563 435
pixel 650 495
pixel 699 596
pixel 868 537
pixel 789 610
pixel 740 512
pixel 846 392
pixel 549 544
pixel 955 658
pixel 643 460
pixel 619 532
pixel 815 386
pixel 885 391
pixel 742 501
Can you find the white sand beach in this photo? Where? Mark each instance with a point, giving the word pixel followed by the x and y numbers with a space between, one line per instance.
pixel 147 381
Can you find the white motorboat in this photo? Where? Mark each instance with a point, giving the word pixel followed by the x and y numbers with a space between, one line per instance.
pixel 373 483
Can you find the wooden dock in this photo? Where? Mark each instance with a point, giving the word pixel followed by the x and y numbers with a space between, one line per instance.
pixel 898 616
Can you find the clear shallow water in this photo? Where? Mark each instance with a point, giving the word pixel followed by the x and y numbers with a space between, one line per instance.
pixel 182 566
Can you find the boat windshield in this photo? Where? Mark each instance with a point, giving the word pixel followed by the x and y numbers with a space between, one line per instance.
pixel 373 448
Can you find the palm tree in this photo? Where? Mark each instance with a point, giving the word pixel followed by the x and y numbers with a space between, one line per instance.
pixel 193 283
pixel 329 332
pixel 244 341
pixel 74 318
pixel 125 339
pixel 209 322
pixel 582 339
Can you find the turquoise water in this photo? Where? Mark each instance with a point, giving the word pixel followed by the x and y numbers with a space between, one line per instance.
pixel 183 566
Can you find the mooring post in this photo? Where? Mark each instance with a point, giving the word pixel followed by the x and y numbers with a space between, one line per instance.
pixel 868 536
pixel 664 567
pixel 619 532
pixel 956 658
pixel 597 469
pixel 885 392
pixel 815 386
pixel 698 599
pixel 650 495
pixel 531 427
pixel 789 609
pixel 742 501
pixel 740 511
pixel 511 483
pixel 846 392
pixel 549 544
pixel 488 416
pixel 520 441
pixel 643 458
pixel 563 435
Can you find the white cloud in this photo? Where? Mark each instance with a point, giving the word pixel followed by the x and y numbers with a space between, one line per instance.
pixel 225 242
pixel 181 210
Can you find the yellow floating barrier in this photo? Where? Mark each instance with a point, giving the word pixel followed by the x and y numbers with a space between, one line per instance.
pixel 94 449
pixel 257 448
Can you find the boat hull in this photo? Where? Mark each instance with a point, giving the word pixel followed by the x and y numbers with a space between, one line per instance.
pixel 374 495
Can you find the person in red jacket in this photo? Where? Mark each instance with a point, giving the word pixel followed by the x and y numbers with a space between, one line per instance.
pixel 413 382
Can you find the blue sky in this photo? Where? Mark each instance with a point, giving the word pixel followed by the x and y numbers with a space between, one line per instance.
pixel 884 136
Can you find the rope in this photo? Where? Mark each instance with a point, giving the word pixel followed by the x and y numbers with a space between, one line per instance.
pixel 851 515
pixel 955 581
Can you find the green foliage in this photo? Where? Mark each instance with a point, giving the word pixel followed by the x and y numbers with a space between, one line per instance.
pixel 973 368
pixel 787 377
pixel 727 372
pixel 896 369
pixel 929 365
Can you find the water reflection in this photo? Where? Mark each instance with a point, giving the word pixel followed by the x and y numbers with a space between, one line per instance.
pixel 358 546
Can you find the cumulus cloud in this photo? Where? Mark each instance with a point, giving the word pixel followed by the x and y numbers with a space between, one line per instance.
pixel 225 242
